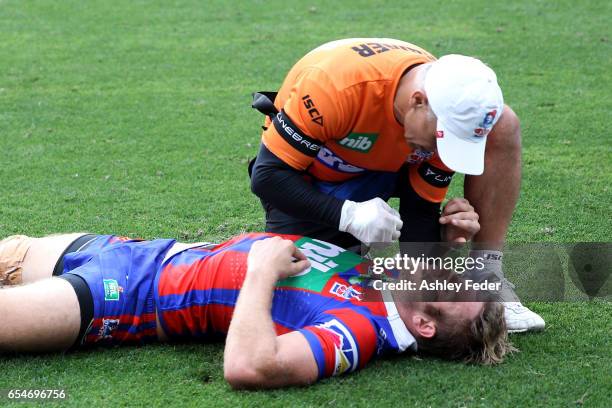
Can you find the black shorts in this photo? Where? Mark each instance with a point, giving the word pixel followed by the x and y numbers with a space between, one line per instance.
pixel 84 296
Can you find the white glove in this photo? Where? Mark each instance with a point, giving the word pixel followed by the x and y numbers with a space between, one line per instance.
pixel 371 221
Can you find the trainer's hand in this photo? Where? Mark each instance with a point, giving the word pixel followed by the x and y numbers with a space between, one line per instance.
pixel 276 257
pixel 459 220
pixel 371 221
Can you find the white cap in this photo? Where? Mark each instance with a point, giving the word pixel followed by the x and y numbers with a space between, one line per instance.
pixel 464 95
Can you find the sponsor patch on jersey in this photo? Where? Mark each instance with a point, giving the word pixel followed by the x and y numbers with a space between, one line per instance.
pixel 326 260
pixel 345 291
pixel 107 328
pixel 111 289
pixel 419 156
pixel 361 142
pixel 294 136
pixel 347 356
pixel 313 112
pixel 331 160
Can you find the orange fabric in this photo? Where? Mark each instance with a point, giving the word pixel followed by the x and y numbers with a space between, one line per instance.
pixel 425 189
pixel 346 88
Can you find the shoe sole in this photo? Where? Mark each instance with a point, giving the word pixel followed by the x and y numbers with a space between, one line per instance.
pixel 518 331
pixel 534 329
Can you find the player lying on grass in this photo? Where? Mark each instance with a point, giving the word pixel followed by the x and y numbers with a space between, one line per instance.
pixel 293 309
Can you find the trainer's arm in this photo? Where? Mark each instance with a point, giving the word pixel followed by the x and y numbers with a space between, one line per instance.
pixel 255 357
pixel 280 185
pixel 494 193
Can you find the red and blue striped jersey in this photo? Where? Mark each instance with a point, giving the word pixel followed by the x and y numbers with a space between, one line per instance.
pixel 345 322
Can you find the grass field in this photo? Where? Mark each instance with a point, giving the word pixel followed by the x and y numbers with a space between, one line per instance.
pixel 134 118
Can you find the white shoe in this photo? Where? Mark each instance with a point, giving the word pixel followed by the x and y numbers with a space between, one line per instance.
pixel 520 319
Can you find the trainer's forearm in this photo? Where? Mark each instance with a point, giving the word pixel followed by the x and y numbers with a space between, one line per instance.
pixel 493 200
pixel 250 348
pixel 283 187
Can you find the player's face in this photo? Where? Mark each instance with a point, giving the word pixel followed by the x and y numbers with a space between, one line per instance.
pixel 420 129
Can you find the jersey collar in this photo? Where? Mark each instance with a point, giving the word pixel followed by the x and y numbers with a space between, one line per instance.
pixel 405 339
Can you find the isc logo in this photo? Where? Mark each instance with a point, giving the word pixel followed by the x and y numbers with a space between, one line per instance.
pixel 312 111
pixel 361 142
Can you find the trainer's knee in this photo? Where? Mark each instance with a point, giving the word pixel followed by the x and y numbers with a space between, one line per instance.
pixel 13 251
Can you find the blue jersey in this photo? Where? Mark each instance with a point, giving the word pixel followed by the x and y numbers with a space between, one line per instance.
pixel 345 321
pixel 193 292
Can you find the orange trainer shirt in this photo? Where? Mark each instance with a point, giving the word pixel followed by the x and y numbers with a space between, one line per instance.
pixel 341 95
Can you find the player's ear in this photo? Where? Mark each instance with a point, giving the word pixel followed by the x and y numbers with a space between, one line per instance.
pixel 424 325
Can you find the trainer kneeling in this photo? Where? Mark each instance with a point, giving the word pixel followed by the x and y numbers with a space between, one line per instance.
pixel 358 121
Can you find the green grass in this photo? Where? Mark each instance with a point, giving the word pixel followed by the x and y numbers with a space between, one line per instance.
pixel 134 118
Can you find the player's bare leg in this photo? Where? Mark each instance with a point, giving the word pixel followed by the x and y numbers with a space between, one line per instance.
pixel 44 254
pixel 38 317
pixel 494 195
pixel 25 259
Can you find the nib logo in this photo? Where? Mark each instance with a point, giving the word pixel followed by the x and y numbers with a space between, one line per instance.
pixel 362 142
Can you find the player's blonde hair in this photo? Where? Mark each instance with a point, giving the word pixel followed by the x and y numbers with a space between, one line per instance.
pixel 482 340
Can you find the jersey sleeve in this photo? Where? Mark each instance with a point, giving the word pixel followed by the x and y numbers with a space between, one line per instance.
pixel 342 342
pixel 431 179
pixel 314 112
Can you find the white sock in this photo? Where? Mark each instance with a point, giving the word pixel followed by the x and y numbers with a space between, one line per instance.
pixel 492 261
pixel 492 270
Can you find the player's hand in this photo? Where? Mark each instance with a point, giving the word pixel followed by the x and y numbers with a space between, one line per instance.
pixel 371 221
pixel 277 257
pixel 459 220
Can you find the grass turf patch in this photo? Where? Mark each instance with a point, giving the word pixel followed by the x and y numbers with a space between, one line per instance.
pixel 134 118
